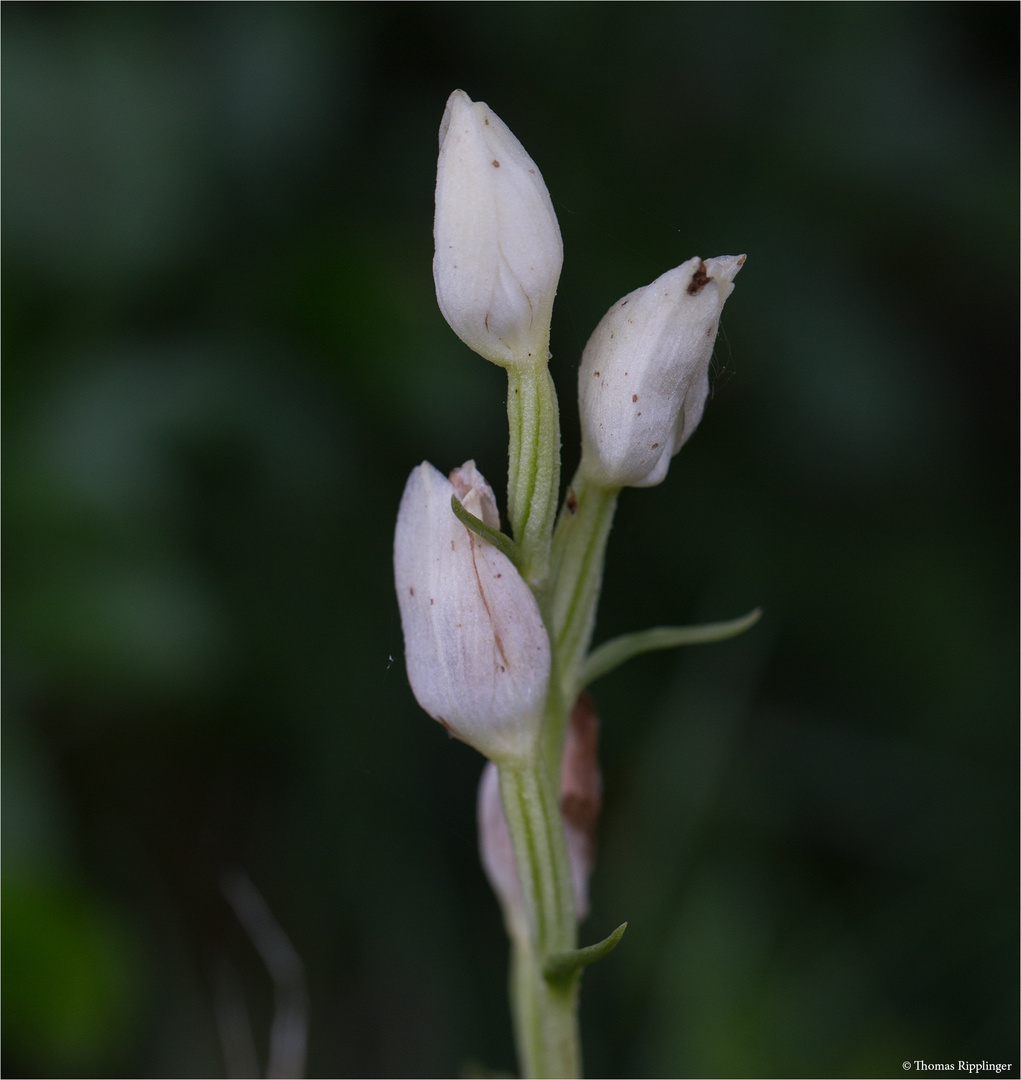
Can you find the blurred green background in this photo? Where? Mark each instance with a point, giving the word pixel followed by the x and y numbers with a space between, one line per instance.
pixel 223 357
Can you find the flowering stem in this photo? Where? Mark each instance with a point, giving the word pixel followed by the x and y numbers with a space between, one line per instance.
pixel 545 1011
pixel 533 479
pixel 579 549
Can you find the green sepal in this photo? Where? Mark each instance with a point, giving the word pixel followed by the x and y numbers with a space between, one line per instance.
pixel 562 967
pixel 499 540
pixel 613 653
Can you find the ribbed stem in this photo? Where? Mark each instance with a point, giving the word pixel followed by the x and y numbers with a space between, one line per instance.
pixel 545 1013
pixel 533 477
pixel 579 551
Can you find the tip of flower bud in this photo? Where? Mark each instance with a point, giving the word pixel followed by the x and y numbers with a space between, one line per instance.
pixel 723 269
pixel 453 101
pixel 475 494
pixel 725 266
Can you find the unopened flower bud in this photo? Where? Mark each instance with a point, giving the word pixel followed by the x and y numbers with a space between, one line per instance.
pixel 478 655
pixel 580 798
pixel 498 247
pixel 644 375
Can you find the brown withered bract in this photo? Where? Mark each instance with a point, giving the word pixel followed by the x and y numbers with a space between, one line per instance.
pixel 581 784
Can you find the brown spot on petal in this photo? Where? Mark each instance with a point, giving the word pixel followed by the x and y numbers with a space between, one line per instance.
pixel 699 280
pixel 634 398
pixel 411 589
pixel 572 499
pixel 496 164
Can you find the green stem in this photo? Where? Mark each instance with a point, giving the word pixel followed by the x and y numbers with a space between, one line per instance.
pixel 579 550
pixel 533 478
pixel 545 1011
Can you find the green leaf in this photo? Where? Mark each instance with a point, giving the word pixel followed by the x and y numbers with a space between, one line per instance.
pixel 615 652
pixel 492 536
pixel 561 967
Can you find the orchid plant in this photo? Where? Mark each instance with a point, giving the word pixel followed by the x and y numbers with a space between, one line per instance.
pixel 497 626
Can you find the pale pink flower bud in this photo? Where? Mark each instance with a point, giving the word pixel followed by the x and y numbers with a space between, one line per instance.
pixel 477 653
pixel 644 375
pixel 498 247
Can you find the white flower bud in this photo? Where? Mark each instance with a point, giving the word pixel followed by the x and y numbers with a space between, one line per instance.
pixel 644 375
pixel 477 652
pixel 581 793
pixel 498 247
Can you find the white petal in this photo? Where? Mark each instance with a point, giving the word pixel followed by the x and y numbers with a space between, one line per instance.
pixel 477 652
